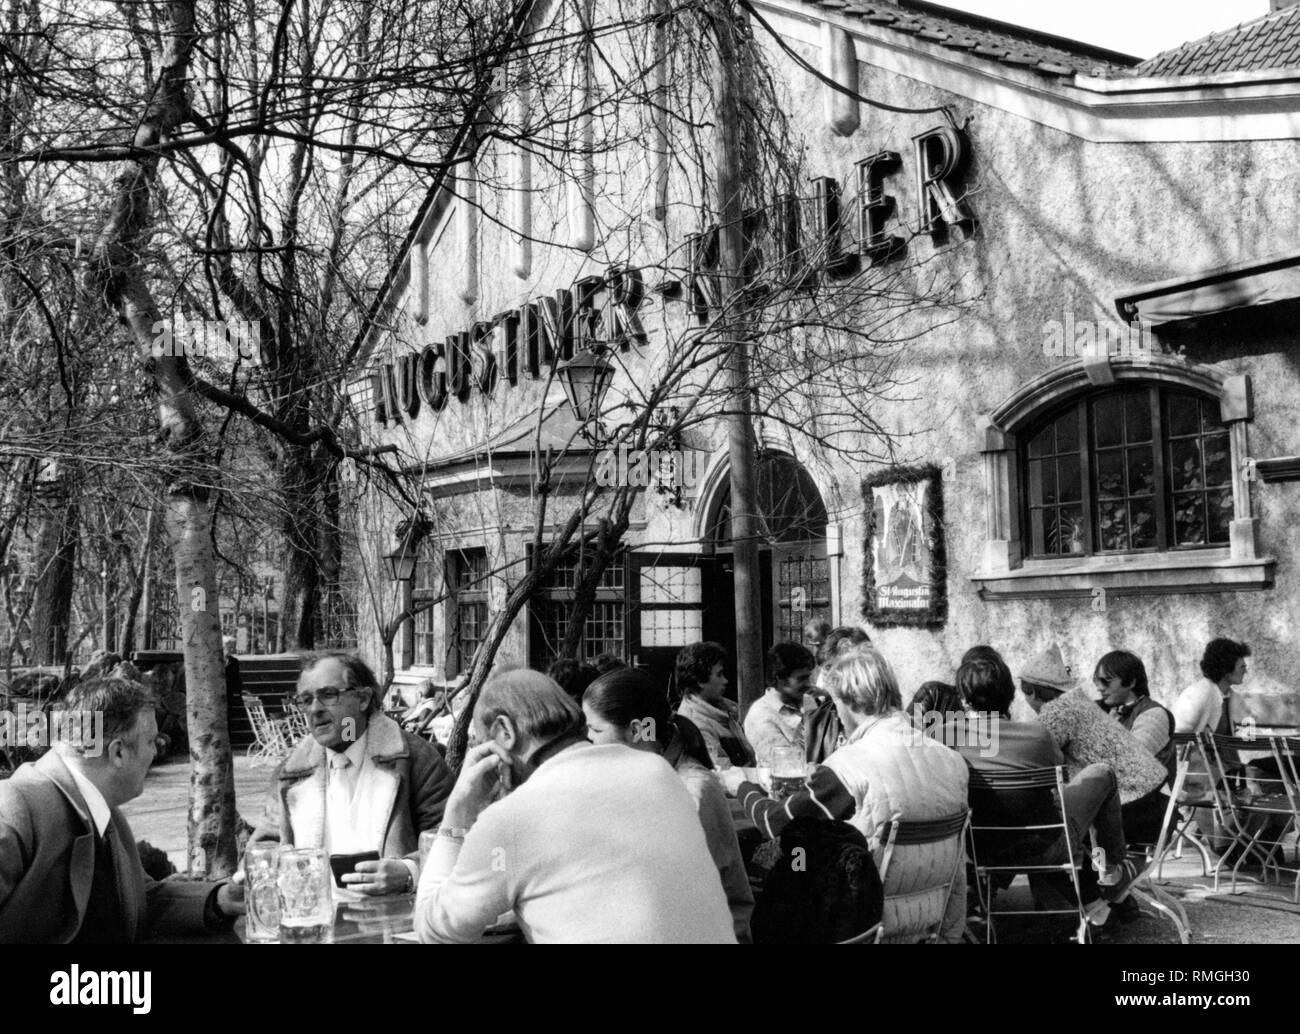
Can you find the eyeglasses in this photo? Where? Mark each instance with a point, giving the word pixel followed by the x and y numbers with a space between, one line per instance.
pixel 327 695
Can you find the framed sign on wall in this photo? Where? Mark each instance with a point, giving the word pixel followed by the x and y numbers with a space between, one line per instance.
pixel 905 569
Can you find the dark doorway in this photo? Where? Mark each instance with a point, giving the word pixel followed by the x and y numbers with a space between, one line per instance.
pixel 720 608
pixel 794 570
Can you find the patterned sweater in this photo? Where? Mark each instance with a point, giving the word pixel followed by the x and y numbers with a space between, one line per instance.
pixel 1087 736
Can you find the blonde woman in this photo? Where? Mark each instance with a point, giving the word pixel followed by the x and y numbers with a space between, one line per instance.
pixel 887 769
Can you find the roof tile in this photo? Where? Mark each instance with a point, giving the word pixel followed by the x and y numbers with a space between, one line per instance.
pixel 1021 48
pixel 1269 42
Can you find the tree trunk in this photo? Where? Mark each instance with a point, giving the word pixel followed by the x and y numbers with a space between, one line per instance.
pixel 108 604
pixel 330 551
pixel 211 821
pixel 118 274
pixel 740 439
pixel 126 641
pixel 55 564
pixel 302 528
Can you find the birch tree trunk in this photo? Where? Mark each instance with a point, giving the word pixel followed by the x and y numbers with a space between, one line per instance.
pixel 119 276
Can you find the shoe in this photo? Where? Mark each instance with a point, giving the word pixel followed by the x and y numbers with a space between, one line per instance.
pixel 1097 912
pixel 1127 911
pixel 1116 880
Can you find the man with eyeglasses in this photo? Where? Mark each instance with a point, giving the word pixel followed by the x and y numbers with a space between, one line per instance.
pixel 358 782
pixel 70 870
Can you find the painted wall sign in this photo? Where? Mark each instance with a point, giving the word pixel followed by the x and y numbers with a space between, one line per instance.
pixel 904 560
pixel 602 312
pixel 527 341
pixel 799 254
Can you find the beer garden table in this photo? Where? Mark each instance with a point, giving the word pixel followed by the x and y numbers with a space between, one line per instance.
pixel 385 920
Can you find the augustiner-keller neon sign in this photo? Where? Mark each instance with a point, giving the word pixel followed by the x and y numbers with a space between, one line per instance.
pixel 603 310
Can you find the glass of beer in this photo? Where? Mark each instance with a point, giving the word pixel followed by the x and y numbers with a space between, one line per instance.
pixel 306 904
pixel 261 865
pixel 427 840
pixel 788 766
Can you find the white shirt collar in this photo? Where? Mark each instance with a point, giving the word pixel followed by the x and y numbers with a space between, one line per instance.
pixel 778 704
pixel 356 752
pixel 100 813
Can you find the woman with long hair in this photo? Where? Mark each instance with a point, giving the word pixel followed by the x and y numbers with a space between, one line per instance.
pixel 625 706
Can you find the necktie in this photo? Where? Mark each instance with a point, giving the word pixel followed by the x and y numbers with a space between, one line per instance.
pixel 343 771
pixel 1224 728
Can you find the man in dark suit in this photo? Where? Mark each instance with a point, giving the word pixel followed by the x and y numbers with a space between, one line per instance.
pixel 69 869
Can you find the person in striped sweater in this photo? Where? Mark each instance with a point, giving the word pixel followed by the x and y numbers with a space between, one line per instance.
pixel 886 771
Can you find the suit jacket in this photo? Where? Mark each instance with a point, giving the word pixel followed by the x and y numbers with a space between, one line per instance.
pixel 47 863
pixel 409 792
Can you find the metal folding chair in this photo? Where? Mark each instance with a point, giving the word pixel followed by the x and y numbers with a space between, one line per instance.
pixel 271 736
pixel 295 721
pixel 926 894
pixel 870 936
pixel 1190 747
pixel 1286 751
pixel 1145 887
pixel 991 841
pixel 1251 802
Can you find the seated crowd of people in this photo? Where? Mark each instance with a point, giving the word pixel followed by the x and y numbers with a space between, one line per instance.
pixel 591 805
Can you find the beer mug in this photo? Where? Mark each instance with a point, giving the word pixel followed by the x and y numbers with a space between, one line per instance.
pixel 788 767
pixel 306 903
pixel 261 865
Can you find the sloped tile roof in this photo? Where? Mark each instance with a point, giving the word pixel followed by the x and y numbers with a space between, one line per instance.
pixel 1271 41
pixel 1012 45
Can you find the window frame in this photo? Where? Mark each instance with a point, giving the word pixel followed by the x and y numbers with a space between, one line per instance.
pixel 552 595
pixel 424 629
pixel 1002 571
pixel 1160 443
pixel 460 599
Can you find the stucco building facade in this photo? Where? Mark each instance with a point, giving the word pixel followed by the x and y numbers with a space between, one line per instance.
pixel 1088 423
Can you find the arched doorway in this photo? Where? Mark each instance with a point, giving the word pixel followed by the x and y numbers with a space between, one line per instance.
pixel 678 597
pixel 795 573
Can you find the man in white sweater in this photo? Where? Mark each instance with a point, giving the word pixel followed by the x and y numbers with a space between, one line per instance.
pixel 592 844
pixel 1204 704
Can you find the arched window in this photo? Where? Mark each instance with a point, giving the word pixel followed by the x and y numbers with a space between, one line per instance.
pixel 1139 469
pixel 790 508
pixel 1128 474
